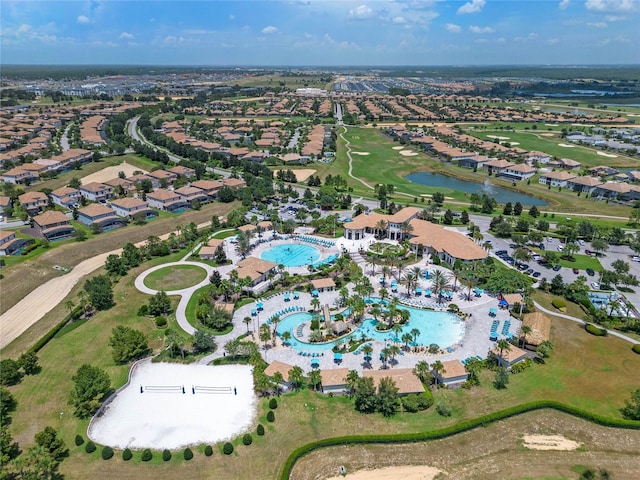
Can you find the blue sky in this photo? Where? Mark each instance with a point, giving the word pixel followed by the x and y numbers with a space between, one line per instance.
pixel 320 32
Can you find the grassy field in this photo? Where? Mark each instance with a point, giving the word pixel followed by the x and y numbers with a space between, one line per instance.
pixel 176 277
pixel 22 278
pixel 589 372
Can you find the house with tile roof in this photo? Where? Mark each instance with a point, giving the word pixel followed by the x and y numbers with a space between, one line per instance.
pixel 53 225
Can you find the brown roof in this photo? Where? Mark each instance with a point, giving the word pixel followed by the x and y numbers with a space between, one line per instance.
pixel 540 326
pixel 512 298
pixel 215 242
pixel 129 202
pixel 50 217
pixel 452 369
pixel 96 209
pixel 404 378
pixel 440 239
pixel 33 197
pixel 323 283
pixel 277 366
pixel 334 377
pixel 510 356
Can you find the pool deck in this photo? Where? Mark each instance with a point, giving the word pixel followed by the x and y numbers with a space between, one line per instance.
pixel 475 341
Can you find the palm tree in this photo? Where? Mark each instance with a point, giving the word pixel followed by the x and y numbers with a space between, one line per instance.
pixel 375 311
pixel 414 334
pixel 247 321
pixel 384 293
pixel 344 295
pixel 421 370
pixel 524 331
pixel 352 380
pixel 503 345
pixel 385 353
pixel 440 283
pixel 275 320
pixel 367 350
pixel 393 351
pixel 397 328
pixel 406 228
pixel 438 368
pixel 286 336
pixel 409 280
pixel 381 228
pixel 386 272
pixel 296 377
pixel 406 339
pixel 315 304
pixel 315 379
pixel 265 334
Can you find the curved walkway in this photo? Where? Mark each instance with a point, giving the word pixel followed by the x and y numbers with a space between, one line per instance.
pixel 185 293
pixel 582 322
pixel 347 144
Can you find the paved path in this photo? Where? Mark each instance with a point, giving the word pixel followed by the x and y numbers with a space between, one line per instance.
pixel 347 144
pixel 582 322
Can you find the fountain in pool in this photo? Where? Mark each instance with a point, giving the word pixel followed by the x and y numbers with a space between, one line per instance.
pixel 487 187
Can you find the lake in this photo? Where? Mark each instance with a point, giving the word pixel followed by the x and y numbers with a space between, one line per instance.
pixel 502 195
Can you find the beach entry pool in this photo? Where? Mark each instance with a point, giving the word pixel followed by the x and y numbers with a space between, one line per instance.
pixel 442 328
pixel 292 254
pixel 171 406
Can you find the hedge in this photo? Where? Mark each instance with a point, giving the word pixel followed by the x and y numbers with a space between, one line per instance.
pixel 636 348
pixel 146 455
pixel 247 439
pixel 273 404
pixel 79 440
pixel 208 450
pixel 271 417
pixel 127 455
pixel 558 303
pixel 593 330
pixel 227 449
pixel 465 426
pixel 260 430
pixel 166 455
pixel 187 454
pixel 107 453
pixel 90 447
pixel 46 338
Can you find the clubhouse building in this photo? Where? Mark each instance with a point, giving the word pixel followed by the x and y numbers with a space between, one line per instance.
pixel 447 245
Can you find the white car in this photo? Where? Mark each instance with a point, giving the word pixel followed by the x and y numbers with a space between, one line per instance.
pixel 581 242
pixel 560 248
pixel 595 285
pixel 635 259
pixel 549 239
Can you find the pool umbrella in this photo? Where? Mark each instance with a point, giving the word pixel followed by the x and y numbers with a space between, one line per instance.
pixel 286 297
pixel 296 295
pixel 315 362
pixel 337 357
pixel 254 312
pixel 315 293
pixel 260 305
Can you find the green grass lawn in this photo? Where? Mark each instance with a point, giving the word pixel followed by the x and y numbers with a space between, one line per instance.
pixel 175 277
pixel 582 262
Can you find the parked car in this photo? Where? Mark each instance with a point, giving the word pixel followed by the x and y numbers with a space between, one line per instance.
pixel 595 285
pixel 590 272
pixel 542 246
pixel 529 271
pixel 563 240
pixel 560 248
pixel 556 268
pixel 549 239
pixel 501 253
pixel 581 242
pixel 588 252
pixel 635 259
pixel 536 274
pixel 576 271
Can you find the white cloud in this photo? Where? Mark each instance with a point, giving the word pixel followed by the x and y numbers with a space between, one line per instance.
pixel 453 28
pixel 399 20
pixel 612 5
pixel 83 19
pixel 474 6
pixel 615 18
pixel 22 29
pixel 127 36
pixel 480 30
pixel 564 4
pixel 553 41
pixel 533 35
pixel 232 17
pixel 269 29
pixel 361 13
pixel 597 24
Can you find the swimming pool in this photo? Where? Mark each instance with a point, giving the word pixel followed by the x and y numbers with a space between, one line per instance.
pixel 291 254
pixel 442 328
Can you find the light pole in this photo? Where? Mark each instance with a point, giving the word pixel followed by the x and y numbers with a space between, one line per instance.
pixel 521 292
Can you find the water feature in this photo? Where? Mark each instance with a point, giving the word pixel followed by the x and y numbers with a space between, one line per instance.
pixel 442 328
pixel 291 254
pixel 502 195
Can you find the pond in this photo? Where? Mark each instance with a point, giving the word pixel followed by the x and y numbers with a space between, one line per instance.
pixel 502 195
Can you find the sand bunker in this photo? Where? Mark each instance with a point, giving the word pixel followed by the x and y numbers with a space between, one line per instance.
pixel 608 155
pixel 547 134
pixel 566 146
pixel 549 442
pixel 407 153
pixel 514 143
pixel 397 148
pixel 498 137
pixel 179 405
pixel 303 173
pixel 633 115
pixel 550 124
pixel 360 153
pixel 109 173
pixel 392 473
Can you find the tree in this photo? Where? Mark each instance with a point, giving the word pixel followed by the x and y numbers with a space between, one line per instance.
pixel 28 362
pixel 115 266
pixel 315 379
pixel 352 381
pixel 296 377
pixel 448 217
pixel 160 304
pixel 100 292
pixel 502 378
pixel 127 344
pixel 631 409
pixel 524 331
pixel 534 212
pixel 438 368
pixel 464 217
pixel 365 397
pixel 131 255
pixel 599 245
pixel 10 373
pixel 503 345
pixel 90 387
pixel 508 209
pixel 634 217
pixel 387 399
pixel 517 209
pixel 49 441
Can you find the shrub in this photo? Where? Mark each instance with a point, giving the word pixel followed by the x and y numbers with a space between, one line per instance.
pixel 593 330
pixel 247 439
pixel 208 450
pixel 260 430
pixel 90 447
pixel 636 348
pixel 187 454
pixel 143 311
pixel 521 366
pixel 166 455
pixel 443 408
pixel 227 449
pixel 127 455
pixel 79 440
pixel 161 322
pixel 271 417
pixel 146 455
pixel 559 303
pixel 425 400
pixel 410 403
pixel 273 404
pixel 315 324
pixel 107 453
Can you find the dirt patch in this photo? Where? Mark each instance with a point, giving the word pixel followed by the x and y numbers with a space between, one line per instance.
pixel 303 173
pixel 110 173
pixel 393 473
pixel 549 442
pixel 608 155
pixel 407 153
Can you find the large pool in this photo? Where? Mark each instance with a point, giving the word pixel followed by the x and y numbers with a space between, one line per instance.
pixel 292 254
pixel 442 328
